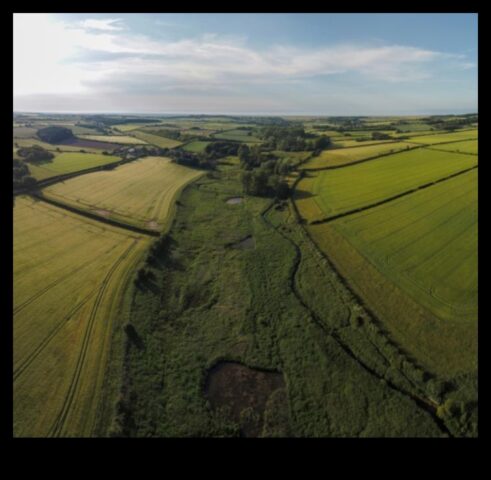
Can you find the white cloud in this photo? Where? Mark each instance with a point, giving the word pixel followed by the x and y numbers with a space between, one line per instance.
pixel 108 24
pixel 48 59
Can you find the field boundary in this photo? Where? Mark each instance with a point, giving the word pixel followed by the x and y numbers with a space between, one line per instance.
pixel 389 199
pixel 93 216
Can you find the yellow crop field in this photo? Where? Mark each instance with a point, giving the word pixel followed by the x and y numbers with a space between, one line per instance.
pixel 70 274
pixel 140 193
pixel 156 140
pixel 343 156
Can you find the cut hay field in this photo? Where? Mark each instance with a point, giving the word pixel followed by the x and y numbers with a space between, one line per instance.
pixel 156 140
pixel 68 162
pixel 195 147
pixel 331 192
pixel 140 193
pixel 342 142
pixel 128 127
pixel 425 244
pixel 469 146
pixel 70 274
pixel 343 156
pixel 445 137
pixel 24 132
pixel 120 139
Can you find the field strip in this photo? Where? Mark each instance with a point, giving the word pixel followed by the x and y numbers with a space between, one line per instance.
pixel 99 218
pixel 429 147
pixel 55 430
pixel 356 162
pixel 394 197
pixel 441 143
pixel 32 356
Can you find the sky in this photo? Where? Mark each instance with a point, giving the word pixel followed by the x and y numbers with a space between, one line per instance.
pixel 261 64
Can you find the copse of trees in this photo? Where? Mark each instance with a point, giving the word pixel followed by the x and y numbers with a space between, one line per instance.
pixel 190 159
pixel 55 134
pixel 22 175
pixel 261 183
pixel 380 136
pixel 222 149
pixel 35 154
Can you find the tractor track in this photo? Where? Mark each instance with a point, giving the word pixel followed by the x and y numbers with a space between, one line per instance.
pixel 59 422
pixel 33 355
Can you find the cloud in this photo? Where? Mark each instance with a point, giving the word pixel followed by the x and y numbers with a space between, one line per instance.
pixel 107 24
pixel 99 57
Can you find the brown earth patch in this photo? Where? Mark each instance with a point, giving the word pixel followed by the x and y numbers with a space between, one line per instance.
pixel 242 393
pixel 102 213
pixel 153 225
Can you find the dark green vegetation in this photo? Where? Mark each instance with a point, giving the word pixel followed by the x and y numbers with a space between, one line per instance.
pixel 54 134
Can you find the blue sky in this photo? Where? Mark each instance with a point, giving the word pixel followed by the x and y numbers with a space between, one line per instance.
pixel 321 64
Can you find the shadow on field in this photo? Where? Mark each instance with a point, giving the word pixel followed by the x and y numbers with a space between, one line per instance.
pixel 299 194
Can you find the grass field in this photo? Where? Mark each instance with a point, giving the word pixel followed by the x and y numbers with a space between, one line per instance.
pixel 445 137
pixel 28 142
pixel 343 156
pixel 238 136
pixel 331 192
pixel 140 193
pixel 156 140
pixel 68 162
pixel 121 139
pixel 69 276
pixel 128 127
pixel 195 147
pixel 24 132
pixel 426 245
pixel 341 142
pixel 469 146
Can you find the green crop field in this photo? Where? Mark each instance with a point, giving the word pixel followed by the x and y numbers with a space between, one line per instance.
pixel 28 142
pixel 195 147
pixel 445 137
pixel 426 244
pixel 343 156
pixel 238 136
pixel 350 142
pixel 68 162
pixel 121 139
pixel 69 276
pixel 331 192
pixel 467 146
pixel 156 140
pixel 139 193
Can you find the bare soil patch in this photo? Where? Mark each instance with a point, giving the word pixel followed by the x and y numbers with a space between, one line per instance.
pixel 235 200
pixel 241 394
pixel 102 213
pixel 153 225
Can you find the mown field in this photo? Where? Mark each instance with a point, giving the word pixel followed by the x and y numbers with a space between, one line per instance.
pixel 331 192
pixel 469 146
pixel 156 140
pixel 68 162
pixel 343 156
pixel 69 277
pixel 139 193
pixel 445 137
pixel 120 139
pixel 425 244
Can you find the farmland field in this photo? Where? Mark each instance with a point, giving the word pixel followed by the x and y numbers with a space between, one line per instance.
pixel 237 136
pixel 138 193
pixel 121 139
pixel 426 244
pixel 469 146
pixel 28 142
pixel 24 132
pixel 68 162
pixel 445 137
pixel 343 156
pixel 195 147
pixel 331 192
pixel 156 140
pixel 69 276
